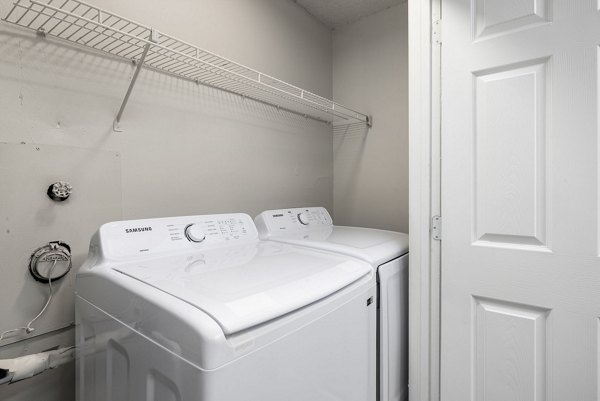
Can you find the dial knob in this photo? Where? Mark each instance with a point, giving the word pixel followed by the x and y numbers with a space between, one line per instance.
pixel 303 218
pixel 194 233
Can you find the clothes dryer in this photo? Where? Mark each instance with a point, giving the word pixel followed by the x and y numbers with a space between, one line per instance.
pixel 387 252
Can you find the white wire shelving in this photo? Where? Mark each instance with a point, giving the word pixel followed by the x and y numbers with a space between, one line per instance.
pixel 84 24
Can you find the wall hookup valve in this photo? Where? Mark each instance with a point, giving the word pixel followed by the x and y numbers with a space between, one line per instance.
pixel 59 191
pixel 50 262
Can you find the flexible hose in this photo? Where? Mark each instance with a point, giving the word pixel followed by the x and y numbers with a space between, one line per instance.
pixel 28 329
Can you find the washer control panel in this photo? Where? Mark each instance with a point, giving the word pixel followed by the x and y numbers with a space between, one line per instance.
pixel 124 239
pixel 274 222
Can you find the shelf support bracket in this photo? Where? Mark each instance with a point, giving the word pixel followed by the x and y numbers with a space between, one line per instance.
pixel 153 39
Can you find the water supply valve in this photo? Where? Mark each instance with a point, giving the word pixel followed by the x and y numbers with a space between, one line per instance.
pixel 50 262
pixel 60 191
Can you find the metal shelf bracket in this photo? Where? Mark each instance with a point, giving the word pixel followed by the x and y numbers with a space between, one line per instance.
pixel 154 37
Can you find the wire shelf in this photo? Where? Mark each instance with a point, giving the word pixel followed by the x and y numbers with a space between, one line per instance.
pixel 81 23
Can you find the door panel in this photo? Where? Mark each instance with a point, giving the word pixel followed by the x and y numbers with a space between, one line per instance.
pixel 520 199
pixel 509 154
pixel 511 344
pixel 497 17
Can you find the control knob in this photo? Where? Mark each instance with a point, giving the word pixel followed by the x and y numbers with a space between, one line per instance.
pixel 303 218
pixel 194 233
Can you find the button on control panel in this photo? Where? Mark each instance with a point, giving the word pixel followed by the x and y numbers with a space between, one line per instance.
pixel 194 233
pixel 304 218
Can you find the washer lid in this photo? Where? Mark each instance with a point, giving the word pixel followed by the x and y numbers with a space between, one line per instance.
pixel 244 286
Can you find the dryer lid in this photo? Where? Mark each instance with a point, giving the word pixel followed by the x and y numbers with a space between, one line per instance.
pixel 371 245
pixel 313 227
pixel 244 286
pixel 359 237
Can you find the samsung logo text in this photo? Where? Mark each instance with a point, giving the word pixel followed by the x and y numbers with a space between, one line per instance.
pixel 137 230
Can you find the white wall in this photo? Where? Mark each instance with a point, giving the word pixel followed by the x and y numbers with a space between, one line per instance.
pixel 185 149
pixel 370 73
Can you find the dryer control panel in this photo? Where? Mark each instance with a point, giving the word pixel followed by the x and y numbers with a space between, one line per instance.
pixel 125 239
pixel 282 221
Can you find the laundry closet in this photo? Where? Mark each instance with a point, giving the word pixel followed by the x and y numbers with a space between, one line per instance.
pixel 129 110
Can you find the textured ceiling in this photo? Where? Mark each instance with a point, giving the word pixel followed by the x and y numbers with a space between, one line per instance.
pixel 334 13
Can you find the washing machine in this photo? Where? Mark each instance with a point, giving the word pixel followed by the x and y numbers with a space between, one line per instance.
pixel 387 252
pixel 198 309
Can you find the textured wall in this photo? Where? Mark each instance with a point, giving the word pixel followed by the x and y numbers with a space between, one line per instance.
pixel 185 149
pixel 370 73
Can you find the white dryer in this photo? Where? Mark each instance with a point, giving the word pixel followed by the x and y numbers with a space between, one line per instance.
pixel 198 309
pixel 387 252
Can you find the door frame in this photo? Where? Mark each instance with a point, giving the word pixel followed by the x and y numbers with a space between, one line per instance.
pixel 424 39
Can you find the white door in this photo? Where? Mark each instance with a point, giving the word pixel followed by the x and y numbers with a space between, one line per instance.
pixel 520 179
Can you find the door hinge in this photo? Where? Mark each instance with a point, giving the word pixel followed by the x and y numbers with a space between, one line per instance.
pixel 436 227
pixel 436 32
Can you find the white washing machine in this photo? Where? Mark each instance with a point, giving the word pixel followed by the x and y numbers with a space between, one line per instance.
pixel 198 309
pixel 387 252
